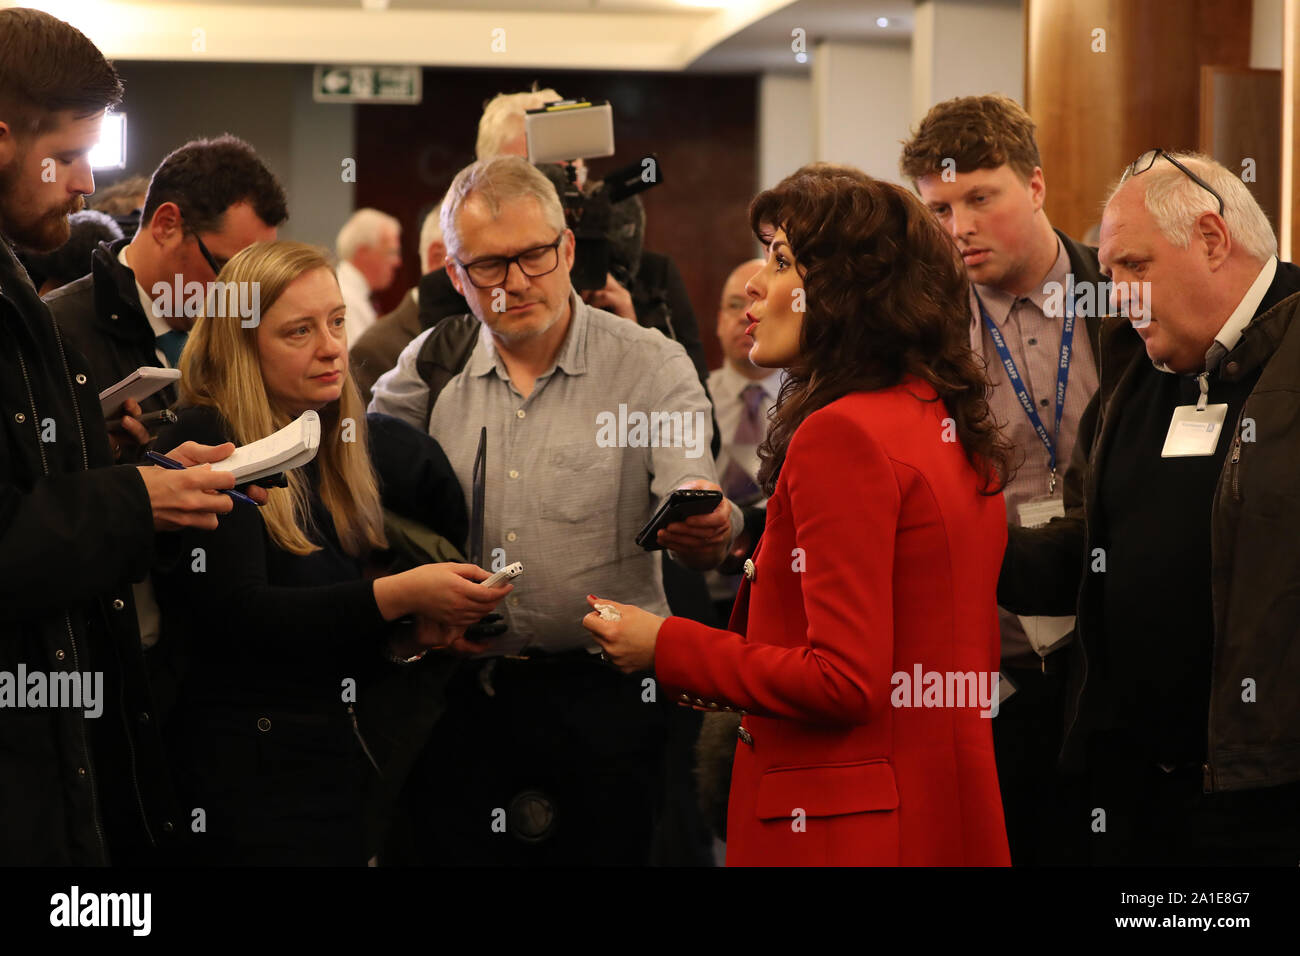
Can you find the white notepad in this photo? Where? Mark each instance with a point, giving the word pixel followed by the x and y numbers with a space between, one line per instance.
pixel 291 447
pixel 139 385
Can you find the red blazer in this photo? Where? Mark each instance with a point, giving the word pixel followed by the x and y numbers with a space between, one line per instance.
pixel 878 556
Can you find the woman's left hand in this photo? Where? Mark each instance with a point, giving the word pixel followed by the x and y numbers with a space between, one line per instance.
pixel 629 643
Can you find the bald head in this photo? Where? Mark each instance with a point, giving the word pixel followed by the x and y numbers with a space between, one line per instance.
pixel 732 323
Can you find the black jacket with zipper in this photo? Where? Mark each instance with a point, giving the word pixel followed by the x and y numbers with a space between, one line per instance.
pixel 74 533
pixel 1253 735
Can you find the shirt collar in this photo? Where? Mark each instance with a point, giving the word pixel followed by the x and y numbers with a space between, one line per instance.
pixel 999 303
pixel 734 383
pixel 1230 334
pixel 573 352
pixel 156 322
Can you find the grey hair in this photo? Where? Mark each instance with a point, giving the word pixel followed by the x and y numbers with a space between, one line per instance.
pixel 430 232
pixel 503 119
pixel 1175 202
pixel 495 181
pixel 365 227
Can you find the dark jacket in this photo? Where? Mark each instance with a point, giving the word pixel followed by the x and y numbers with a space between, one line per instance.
pixel 263 734
pixel 1085 268
pixel 263 738
pixel 74 533
pixel 376 351
pixel 1255 565
pixel 100 317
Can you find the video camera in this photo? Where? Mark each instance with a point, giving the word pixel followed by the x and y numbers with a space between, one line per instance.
pixel 562 133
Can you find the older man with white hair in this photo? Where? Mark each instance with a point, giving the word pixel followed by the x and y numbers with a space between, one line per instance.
pixel 376 350
pixel 370 252
pixel 1178 548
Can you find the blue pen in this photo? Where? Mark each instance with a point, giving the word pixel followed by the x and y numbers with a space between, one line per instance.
pixel 174 465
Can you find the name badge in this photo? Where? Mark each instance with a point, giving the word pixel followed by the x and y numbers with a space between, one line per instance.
pixel 1036 512
pixel 1194 433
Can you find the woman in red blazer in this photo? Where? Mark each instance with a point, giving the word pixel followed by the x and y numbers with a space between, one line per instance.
pixel 864 642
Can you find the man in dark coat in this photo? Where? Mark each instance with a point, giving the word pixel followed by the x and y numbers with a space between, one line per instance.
pixel 1177 549
pixel 206 201
pixel 81 777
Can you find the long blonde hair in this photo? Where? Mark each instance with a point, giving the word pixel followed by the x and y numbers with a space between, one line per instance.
pixel 221 368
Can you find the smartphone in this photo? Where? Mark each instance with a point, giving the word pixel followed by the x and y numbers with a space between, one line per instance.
pixel 681 504
pixel 504 575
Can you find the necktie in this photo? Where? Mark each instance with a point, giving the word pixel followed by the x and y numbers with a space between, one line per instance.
pixel 737 484
pixel 749 431
pixel 171 344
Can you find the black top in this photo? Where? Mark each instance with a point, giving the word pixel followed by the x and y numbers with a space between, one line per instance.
pixel 74 533
pixel 263 625
pixel 1157 612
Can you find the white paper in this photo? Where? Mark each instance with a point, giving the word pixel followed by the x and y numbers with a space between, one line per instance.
pixel 291 447
pixel 139 385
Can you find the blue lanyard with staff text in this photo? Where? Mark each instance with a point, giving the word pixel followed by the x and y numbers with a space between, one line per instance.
pixel 1018 383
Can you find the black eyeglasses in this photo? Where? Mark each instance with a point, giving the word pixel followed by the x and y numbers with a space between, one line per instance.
pixel 207 254
pixel 1148 159
pixel 535 262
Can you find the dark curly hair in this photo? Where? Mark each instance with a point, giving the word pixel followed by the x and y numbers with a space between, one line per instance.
pixel 886 297
pixel 205 177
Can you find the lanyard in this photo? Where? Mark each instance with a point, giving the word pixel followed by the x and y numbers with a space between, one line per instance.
pixel 1018 383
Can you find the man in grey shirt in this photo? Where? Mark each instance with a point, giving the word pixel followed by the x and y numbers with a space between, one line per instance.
pixel 591 420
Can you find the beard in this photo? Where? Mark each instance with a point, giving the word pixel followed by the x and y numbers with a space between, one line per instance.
pixel 29 228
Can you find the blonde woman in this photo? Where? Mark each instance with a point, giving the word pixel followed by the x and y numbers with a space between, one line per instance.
pixel 279 623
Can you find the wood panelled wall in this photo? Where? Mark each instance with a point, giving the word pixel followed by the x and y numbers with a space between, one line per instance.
pixel 1290 129
pixel 703 128
pixel 1096 111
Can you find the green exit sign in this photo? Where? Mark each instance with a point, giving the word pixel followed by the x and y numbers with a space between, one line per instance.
pixel 366 84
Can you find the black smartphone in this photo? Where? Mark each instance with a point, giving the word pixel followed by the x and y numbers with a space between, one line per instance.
pixel 681 504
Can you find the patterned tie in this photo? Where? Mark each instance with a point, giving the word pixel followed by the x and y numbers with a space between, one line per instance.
pixel 737 484
pixel 171 344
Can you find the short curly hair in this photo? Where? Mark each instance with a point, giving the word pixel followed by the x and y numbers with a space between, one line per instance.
pixel 205 177
pixel 976 132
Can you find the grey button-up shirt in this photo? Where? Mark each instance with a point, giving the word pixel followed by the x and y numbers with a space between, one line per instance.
pixel 573 470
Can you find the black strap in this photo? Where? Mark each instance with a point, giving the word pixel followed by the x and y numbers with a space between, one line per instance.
pixel 445 352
